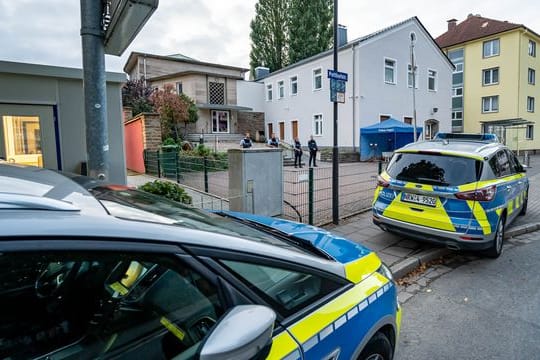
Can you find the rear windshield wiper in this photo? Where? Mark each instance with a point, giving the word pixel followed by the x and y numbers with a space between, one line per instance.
pixel 299 242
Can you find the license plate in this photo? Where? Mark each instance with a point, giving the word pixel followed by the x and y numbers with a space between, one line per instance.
pixel 419 199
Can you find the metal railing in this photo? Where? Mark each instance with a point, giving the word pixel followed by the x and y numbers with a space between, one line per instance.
pixel 308 192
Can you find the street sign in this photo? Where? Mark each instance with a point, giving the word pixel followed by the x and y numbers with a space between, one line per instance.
pixel 337 91
pixel 337 75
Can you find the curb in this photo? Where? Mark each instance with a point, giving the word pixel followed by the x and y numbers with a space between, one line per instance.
pixel 405 266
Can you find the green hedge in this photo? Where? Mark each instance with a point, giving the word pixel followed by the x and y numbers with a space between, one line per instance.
pixel 167 189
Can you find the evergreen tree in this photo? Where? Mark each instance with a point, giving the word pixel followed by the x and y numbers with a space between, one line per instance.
pixel 310 28
pixel 269 35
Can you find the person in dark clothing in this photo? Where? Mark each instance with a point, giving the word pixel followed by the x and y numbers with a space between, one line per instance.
pixel 297 153
pixel 273 141
pixel 245 143
pixel 313 148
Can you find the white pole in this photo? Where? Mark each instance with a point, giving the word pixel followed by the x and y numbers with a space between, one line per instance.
pixel 413 69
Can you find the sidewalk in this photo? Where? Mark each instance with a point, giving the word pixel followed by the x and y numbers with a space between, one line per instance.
pixel 404 255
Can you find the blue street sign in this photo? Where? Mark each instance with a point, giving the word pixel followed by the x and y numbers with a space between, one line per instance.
pixel 337 75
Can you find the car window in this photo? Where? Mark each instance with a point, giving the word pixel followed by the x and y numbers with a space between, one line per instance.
pixel 515 165
pixel 503 164
pixel 99 305
pixel 286 290
pixel 434 169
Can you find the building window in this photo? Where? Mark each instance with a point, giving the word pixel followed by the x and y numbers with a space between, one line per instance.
pixel 294 85
pixel 529 132
pixel 220 121
pixel 530 104
pixel 410 77
pixel 317 79
pixel 317 125
pixel 269 92
pixel 432 80
pixel 216 93
pixel 407 120
pixel 490 104
pixel 457 118
pixel 532 48
pixel 491 48
pixel 459 68
pixel 390 71
pixel 179 89
pixel 531 76
pixel 457 91
pixel 281 89
pixel 490 76
pixel 383 118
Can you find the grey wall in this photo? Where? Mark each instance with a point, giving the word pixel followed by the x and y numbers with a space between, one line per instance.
pixel 29 84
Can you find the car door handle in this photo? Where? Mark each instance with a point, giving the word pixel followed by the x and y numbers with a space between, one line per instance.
pixel 520 182
pixel 508 188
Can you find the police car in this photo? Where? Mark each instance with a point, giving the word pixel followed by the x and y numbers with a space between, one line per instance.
pixel 458 190
pixel 118 273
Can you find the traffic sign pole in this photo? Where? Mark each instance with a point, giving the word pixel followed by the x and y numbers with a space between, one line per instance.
pixel 335 154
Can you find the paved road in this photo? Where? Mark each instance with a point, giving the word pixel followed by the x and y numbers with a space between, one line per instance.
pixel 483 309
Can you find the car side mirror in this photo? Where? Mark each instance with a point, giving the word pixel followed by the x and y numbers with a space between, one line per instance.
pixel 245 332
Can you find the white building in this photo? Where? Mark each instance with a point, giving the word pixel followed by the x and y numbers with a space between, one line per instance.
pixel 297 98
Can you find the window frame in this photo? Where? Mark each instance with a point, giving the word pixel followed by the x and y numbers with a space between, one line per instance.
pixel 314 76
pixel 228 121
pixel 291 93
pixel 530 104
pixel 179 87
pixel 269 90
pixel 529 132
pixel 491 53
pixel 281 89
pixel 491 110
pixel 320 121
pixel 454 91
pixel 410 76
pixel 384 115
pixel 394 71
pixel 531 49
pixel 405 118
pixel 434 77
pixel 531 76
pixel 490 71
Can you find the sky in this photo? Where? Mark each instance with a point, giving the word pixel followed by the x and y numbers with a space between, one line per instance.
pixel 48 31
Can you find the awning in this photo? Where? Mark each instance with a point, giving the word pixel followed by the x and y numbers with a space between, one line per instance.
pixel 223 107
pixel 507 122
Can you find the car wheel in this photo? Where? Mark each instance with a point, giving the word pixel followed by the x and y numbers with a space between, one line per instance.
pixel 378 348
pixel 524 207
pixel 496 248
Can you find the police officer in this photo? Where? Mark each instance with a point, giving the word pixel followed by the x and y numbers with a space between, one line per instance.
pixel 297 153
pixel 313 148
pixel 273 141
pixel 246 143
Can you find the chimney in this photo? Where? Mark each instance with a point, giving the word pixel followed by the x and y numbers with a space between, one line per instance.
pixel 260 72
pixel 451 24
pixel 342 35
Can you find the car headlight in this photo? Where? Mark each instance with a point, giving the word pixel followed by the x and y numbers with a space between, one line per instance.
pixel 386 272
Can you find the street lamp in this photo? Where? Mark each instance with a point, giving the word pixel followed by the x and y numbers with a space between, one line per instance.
pixel 413 69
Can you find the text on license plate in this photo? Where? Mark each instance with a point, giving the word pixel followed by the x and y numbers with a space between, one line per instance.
pixel 420 199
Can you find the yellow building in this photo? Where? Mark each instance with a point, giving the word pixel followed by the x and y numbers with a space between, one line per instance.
pixel 494 82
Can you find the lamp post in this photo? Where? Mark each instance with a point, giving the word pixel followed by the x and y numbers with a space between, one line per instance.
pixel 335 149
pixel 413 69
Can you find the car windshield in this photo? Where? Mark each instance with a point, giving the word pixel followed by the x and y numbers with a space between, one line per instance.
pixel 434 169
pixel 138 205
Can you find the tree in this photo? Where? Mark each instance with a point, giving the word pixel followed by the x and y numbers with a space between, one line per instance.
pixel 269 35
pixel 310 27
pixel 137 95
pixel 173 110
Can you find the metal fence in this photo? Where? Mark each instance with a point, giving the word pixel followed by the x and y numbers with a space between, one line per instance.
pixel 207 177
pixel 307 192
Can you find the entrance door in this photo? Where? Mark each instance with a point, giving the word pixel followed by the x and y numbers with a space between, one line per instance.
pixel 27 135
pixel 270 130
pixel 282 131
pixel 294 127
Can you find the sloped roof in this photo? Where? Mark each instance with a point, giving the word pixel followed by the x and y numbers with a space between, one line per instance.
pixel 389 126
pixel 472 28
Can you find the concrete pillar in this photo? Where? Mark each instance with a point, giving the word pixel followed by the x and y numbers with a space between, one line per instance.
pixel 256 181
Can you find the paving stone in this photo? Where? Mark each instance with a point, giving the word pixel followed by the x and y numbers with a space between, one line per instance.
pixel 433 274
pixel 397 251
pixel 411 244
pixel 388 259
pixel 423 281
pixel 443 269
pixel 404 296
pixel 413 289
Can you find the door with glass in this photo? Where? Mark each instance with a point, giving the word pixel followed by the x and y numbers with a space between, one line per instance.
pixel 27 135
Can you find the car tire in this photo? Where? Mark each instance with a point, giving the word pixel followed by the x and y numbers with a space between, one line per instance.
pixel 378 348
pixel 524 206
pixel 496 248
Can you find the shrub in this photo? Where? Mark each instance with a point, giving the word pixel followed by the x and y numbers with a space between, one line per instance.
pixel 168 141
pixel 167 189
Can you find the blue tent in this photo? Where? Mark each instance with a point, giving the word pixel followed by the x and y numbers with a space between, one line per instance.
pixel 385 136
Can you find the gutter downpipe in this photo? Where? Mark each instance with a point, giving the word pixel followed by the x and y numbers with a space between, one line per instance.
pixel 354 97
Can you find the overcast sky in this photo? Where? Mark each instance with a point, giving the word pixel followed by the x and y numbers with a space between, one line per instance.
pixel 47 31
